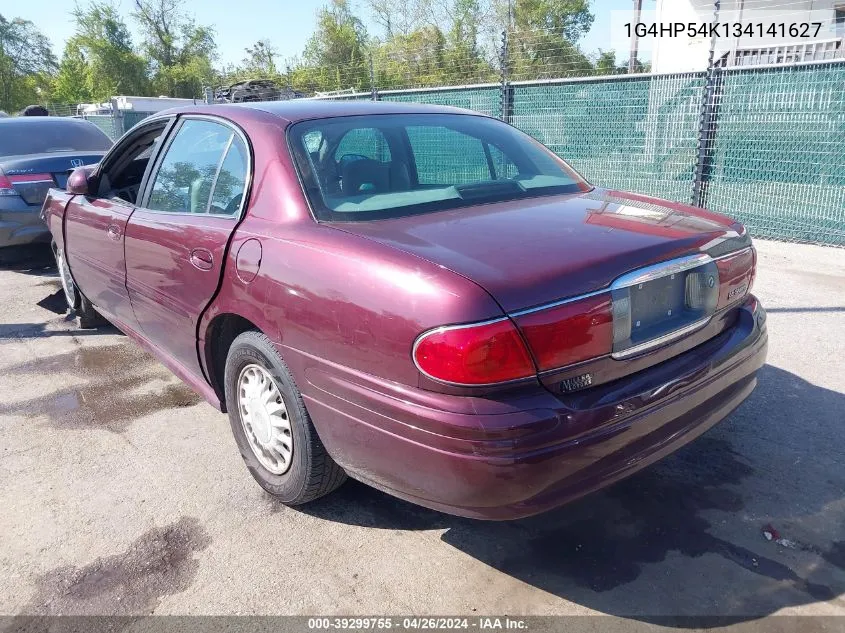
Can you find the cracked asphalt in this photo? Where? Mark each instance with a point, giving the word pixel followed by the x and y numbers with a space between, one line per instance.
pixel 123 493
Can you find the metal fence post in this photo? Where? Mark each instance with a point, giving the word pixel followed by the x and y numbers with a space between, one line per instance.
pixel 506 90
pixel 373 89
pixel 706 122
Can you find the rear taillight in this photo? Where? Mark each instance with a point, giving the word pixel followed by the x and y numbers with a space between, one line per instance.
pixel 736 275
pixel 7 183
pixel 25 178
pixel 477 354
pixel 641 311
pixel 6 187
pixel 569 333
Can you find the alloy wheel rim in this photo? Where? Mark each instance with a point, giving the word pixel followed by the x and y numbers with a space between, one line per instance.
pixel 264 418
pixel 67 282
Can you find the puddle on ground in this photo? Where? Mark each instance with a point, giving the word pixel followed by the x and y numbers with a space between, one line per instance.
pixel 159 563
pixel 113 395
pixel 90 359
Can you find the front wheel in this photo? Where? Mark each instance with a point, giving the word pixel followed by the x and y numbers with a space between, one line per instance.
pixel 272 428
pixel 76 301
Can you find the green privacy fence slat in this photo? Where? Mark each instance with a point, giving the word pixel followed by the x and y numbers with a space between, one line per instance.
pixel 774 156
pixel 637 134
pixel 107 123
pixel 131 118
pixel 777 162
pixel 485 99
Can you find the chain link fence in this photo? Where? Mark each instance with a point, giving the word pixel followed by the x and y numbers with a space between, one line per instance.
pixel 765 145
pixel 775 151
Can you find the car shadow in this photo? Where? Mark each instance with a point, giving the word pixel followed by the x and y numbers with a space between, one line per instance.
pixel 743 522
pixel 32 259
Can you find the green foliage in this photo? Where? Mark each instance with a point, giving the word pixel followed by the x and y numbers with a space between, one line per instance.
pixel 337 51
pixel 568 18
pixel 180 52
pixel 104 44
pixel 71 82
pixel 26 63
pixel 423 43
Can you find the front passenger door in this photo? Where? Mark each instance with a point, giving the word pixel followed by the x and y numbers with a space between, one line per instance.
pixel 95 225
pixel 176 239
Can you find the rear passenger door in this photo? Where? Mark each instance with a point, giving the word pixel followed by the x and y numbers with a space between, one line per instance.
pixel 177 237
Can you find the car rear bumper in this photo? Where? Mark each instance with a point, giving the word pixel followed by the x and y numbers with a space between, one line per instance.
pixel 531 451
pixel 21 223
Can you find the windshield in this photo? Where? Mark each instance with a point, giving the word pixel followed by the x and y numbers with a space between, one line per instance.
pixel 42 135
pixel 391 165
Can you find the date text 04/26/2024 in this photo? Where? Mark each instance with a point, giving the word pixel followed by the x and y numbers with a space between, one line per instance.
pixel 416 623
pixel 799 30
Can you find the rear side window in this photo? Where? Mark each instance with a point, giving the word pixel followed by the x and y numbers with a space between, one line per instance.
pixel 43 135
pixel 231 180
pixel 203 171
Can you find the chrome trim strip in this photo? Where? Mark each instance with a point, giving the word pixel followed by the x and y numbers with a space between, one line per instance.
pixel 660 270
pixel 692 261
pixel 443 328
pixel 548 306
pixel 733 253
pixel 661 340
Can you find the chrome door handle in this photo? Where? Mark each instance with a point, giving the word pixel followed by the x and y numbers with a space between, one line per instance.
pixel 113 232
pixel 202 258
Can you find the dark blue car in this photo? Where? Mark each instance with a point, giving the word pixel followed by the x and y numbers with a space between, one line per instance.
pixel 37 153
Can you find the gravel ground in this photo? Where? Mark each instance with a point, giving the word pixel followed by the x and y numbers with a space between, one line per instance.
pixel 122 493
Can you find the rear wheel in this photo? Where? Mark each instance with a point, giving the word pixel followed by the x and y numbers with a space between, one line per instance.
pixel 275 435
pixel 76 301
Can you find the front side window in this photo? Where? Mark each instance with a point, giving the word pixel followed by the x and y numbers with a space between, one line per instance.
pixel 203 171
pixel 361 168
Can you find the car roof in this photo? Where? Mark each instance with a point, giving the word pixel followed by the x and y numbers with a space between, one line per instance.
pixel 294 110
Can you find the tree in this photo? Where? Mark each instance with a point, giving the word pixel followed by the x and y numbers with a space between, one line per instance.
pixel 568 18
pixel 463 56
pixel 606 63
pixel 26 63
pixel 260 60
pixel 398 17
pixel 180 51
pixel 416 59
pixel 103 43
pixel 337 49
pixel 542 39
pixel 71 83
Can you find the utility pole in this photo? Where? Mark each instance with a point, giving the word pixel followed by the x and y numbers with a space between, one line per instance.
pixel 632 60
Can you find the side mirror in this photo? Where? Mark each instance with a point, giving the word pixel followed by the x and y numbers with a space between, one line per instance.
pixel 79 181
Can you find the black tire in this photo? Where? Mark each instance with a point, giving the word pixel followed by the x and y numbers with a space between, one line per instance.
pixel 77 302
pixel 312 472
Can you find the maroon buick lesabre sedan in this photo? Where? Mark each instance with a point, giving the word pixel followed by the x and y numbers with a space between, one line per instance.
pixel 422 298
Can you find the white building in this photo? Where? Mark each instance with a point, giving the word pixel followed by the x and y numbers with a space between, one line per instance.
pixel 773 46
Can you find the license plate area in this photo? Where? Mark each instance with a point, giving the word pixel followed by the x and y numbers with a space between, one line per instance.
pixel 658 305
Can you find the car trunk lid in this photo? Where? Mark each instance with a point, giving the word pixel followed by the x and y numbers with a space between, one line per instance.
pixel 31 176
pixel 540 250
pixel 600 274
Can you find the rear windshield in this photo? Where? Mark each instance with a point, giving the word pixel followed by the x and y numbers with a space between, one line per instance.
pixel 41 135
pixel 391 165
